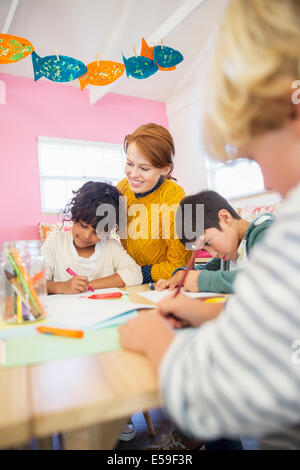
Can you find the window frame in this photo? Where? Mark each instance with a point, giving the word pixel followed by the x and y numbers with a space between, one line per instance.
pixel 81 179
pixel 213 165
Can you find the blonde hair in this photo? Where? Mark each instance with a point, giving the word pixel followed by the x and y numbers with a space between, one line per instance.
pixel 156 144
pixel 256 60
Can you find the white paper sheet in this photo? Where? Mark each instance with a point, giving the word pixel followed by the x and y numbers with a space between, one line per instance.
pixel 156 296
pixel 76 311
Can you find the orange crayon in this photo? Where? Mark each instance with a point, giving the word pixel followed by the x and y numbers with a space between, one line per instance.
pixel 60 331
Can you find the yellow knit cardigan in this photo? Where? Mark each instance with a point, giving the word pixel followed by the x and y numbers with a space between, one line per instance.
pixel 149 241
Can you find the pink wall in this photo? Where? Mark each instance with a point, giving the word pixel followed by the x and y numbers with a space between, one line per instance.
pixel 53 110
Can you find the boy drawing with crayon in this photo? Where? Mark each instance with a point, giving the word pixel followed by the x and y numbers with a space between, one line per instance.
pixel 239 374
pixel 95 260
pixel 227 237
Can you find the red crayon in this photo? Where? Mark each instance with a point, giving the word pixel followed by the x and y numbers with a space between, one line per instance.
pixel 106 295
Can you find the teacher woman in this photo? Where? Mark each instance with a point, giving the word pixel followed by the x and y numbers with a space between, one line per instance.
pixel 151 236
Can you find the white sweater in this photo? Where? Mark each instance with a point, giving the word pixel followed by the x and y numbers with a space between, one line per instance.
pixel 240 374
pixel 113 259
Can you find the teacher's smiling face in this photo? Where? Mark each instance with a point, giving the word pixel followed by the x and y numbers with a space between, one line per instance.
pixel 141 174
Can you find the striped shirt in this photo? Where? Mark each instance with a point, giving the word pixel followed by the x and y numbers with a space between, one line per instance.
pixel 240 374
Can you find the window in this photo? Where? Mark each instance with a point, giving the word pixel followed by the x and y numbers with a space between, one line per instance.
pixel 237 178
pixel 65 165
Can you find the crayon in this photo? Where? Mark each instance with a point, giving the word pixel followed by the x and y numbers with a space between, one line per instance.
pixel 68 333
pixel 70 271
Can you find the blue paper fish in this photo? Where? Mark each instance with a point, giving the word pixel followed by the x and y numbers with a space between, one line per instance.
pixel 166 56
pixel 63 70
pixel 139 67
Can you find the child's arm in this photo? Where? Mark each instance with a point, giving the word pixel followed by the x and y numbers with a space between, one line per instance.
pixel 216 281
pixel 201 281
pixel 138 335
pixel 76 285
pixel 114 280
pixel 126 269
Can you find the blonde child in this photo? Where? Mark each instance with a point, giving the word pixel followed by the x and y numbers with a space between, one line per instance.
pixel 240 374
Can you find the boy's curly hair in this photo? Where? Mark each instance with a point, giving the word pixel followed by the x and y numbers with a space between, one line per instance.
pixel 83 206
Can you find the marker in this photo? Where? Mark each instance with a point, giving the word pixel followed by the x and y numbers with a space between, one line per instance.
pixel 60 332
pixel 215 299
pixel 106 295
pixel 198 246
pixel 70 271
pixel 151 285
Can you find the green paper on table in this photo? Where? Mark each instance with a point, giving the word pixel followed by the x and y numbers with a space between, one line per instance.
pixel 41 348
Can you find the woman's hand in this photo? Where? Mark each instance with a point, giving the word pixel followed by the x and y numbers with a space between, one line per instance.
pixel 171 283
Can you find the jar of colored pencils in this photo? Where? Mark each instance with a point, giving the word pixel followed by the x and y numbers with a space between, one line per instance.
pixel 23 282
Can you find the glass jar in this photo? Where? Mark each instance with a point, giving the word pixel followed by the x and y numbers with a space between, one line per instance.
pixel 23 282
pixel 2 290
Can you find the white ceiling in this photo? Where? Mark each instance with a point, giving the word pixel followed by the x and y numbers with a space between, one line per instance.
pixel 84 28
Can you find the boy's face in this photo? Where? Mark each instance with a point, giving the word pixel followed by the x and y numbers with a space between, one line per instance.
pixel 224 243
pixel 84 235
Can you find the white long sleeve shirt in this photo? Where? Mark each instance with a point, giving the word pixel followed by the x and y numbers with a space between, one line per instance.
pixel 110 258
pixel 240 374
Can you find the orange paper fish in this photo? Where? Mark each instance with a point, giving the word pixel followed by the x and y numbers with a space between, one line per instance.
pixel 101 72
pixel 147 51
pixel 13 48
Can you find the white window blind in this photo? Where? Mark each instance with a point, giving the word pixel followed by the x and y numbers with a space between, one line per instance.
pixel 237 178
pixel 65 165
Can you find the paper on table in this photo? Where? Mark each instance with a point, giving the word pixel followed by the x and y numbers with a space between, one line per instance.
pixel 156 296
pixel 43 348
pixel 76 312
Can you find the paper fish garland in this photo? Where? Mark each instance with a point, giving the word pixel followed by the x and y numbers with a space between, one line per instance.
pixel 102 72
pixel 148 51
pixel 13 48
pixel 65 69
pixel 166 56
pixel 139 67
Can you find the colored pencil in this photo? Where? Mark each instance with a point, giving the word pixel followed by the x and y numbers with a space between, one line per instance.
pixel 198 246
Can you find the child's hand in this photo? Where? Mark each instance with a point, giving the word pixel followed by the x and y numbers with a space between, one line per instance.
pixel 171 283
pixel 76 285
pixel 148 333
pixel 188 311
pixel 180 307
pixel 191 281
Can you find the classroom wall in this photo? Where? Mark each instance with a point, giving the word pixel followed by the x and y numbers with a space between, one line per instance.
pixel 49 109
pixel 185 113
pixel 184 110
